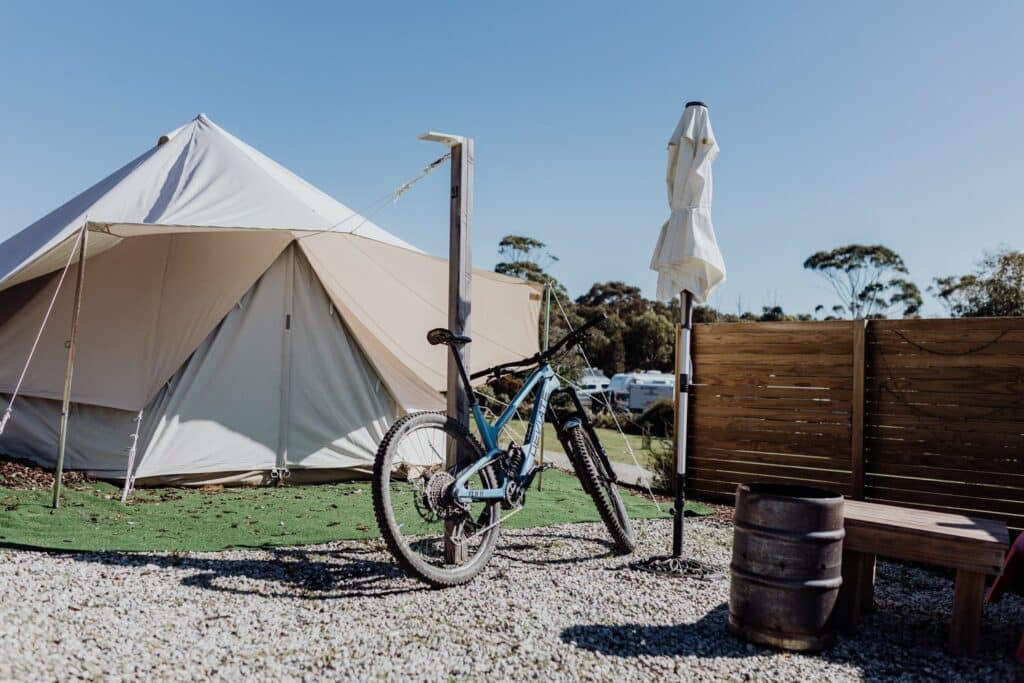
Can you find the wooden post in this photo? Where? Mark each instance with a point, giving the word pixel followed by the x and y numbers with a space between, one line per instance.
pixel 460 271
pixel 62 438
pixel 968 601
pixel 857 411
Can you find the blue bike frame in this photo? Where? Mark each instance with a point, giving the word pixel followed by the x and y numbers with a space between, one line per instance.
pixel 543 382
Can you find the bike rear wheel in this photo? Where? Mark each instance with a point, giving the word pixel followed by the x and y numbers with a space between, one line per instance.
pixel 410 501
pixel 590 470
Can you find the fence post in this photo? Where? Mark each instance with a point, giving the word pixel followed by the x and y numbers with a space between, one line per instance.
pixel 857 411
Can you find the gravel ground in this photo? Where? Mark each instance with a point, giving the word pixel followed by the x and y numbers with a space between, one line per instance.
pixel 553 605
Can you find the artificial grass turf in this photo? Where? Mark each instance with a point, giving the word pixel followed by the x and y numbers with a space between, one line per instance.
pixel 92 517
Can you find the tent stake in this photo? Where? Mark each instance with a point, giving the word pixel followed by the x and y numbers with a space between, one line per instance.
pixel 58 474
pixel 682 404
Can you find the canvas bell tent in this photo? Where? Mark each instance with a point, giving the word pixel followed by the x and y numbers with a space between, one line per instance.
pixel 235 322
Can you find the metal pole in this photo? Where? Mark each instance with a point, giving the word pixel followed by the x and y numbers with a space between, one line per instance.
pixel 58 473
pixel 682 404
pixel 547 344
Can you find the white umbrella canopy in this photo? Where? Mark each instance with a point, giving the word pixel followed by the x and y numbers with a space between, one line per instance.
pixel 687 255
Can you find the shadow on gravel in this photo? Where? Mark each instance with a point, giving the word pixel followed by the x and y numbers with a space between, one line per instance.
pixel 677 640
pixel 288 573
pixel 543 539
pixel 891 643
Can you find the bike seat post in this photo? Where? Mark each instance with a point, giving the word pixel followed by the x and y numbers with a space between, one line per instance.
pixel 462 373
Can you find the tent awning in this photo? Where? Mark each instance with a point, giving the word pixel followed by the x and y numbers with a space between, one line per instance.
pixel 154 292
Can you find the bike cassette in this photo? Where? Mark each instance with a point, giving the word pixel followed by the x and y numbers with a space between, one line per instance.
pixel 436 495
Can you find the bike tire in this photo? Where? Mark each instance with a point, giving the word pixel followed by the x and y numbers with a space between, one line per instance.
pixel 605 493
pixel 386 465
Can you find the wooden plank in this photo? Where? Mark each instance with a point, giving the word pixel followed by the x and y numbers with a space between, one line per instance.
pixel 702 391
pixel 930 380
pixel 801 470
pixel 895 363
pixel 779 383
pixel 881 394
pixel 1009 416
pixel 948 327
pixel 975 444
pixel 782 440
pixel 810 413
pixel 925 523
pixel 1014 524
pixel 800 327
pixel 972 491
pixel 908 494
pixel 808 401
pixel 892 344
pixel 975 378
pixel 968 600
pixel 941 538
pixel 857 415
pixel 793 347
pixel 806 356
pixel 858 573
pixel 840 482
pixel 966 476
pixel 911 418
pixel 770 453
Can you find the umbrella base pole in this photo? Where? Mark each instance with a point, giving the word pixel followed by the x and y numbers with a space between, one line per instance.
pixel 679 568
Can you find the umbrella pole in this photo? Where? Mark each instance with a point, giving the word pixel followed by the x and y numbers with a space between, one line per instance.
pixel 682 404
pixel 58 473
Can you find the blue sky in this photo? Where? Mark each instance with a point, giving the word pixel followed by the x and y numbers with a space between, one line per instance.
pixel 897 122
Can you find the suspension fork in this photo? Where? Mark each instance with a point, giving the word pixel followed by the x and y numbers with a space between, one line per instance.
pixel 580 415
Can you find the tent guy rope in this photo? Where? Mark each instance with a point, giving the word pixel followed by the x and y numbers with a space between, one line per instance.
pixel 604 395
pixel 377 206
pixel 42 326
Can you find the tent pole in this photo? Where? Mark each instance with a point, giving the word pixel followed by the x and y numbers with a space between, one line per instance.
pixel 682 404
pixel 66 404
pixel 547 343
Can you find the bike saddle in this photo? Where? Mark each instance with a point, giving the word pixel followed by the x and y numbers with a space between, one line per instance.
pixel 439 335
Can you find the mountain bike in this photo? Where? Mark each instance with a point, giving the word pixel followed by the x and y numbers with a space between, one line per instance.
pixel 442 523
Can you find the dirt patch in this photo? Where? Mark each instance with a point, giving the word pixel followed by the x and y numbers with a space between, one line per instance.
pixel 16 473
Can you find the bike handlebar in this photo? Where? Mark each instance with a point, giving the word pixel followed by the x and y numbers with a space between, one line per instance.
pixel 574 337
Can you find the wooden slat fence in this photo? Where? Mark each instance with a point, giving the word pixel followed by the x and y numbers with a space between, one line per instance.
pixel 924 413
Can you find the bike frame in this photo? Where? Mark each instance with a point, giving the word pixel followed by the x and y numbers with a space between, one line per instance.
pixel 543 383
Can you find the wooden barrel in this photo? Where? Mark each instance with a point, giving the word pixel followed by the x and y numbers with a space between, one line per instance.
pixel 787 557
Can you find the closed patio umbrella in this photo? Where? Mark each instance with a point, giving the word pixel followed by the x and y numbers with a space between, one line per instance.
pixel 688 260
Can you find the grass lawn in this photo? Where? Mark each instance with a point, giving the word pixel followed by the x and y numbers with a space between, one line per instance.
pixel 176 519
pixel 611 440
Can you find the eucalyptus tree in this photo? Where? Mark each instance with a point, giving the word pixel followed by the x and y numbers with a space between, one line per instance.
pixel 868 280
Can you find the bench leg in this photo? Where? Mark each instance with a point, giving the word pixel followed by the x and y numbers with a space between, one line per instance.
pixel 867 588
pixel 858 573
pixel 968 600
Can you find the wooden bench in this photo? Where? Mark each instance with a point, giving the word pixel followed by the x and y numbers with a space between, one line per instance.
pixel 973 546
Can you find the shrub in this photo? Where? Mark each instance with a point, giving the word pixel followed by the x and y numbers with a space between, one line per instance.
pixel 606 419
pixel 658 418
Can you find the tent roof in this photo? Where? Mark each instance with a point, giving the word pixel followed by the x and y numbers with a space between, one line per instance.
pixel 201 176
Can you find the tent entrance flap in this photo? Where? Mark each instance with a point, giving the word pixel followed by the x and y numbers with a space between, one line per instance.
pixel 152 300
pixel 228 409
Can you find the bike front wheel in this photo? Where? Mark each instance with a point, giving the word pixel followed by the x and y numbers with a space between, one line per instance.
pixel 590 470
pixel 413 506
